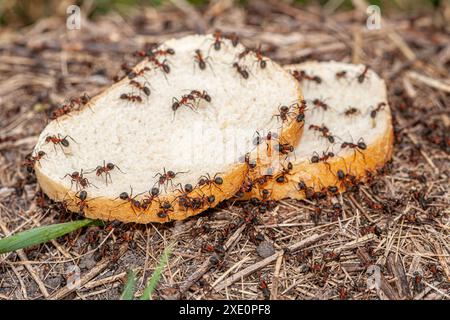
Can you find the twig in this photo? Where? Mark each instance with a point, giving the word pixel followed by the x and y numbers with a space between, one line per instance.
pixel 396 267
pixel 434 83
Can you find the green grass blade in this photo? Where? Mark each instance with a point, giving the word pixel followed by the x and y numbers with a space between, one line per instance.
pixel 128 290
pixel 153 282
pixel 42 234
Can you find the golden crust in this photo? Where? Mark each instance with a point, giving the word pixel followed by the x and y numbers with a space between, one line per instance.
pixel 319 175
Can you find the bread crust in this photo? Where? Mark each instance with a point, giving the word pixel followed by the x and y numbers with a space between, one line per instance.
pixel 116 209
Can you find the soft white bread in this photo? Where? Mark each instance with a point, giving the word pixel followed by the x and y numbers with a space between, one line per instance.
pixel 356 110
pixel 206 136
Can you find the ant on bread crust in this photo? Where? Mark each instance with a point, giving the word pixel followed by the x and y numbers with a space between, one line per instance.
pixel 31 160
pixel 128 198
pixel 131 97
pixel 206 180
pixel 301 75
pixel 281 177
pixel 201 60
pixel 148 199
pixel 260 59
pixel 351 111
pixel 165 208
pixel 379 107
pixel 324 131
pixel 141 87
pixel 284 113
pixel 241 70
pixel 189 99
pixel 363 75
pixel 360 145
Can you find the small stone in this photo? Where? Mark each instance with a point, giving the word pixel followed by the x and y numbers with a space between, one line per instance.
pixel 265 249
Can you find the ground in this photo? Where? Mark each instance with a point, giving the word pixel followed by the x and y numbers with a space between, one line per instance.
pixel 399 222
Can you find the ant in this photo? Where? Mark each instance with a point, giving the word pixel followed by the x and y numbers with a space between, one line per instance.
pixel 264 288
pixel 284 148
pixel 302 75
pixel 217 40
pixel 241 70
pixel 341 74
pixel 80 181
pixel 161 52
pixel 165 207
pixel 257 141
pixel 324 130
pixel 130 97
pixel 251 164
pixel 183 199
pixel 133 74
pixel 346 180
pixel 247 186
pixel 233 37
pixel 30 160
pixel 325 156
pixel 351 111
pixel 201 60
pixel 201 95
pixel 320 104
pixel 162 65
pixel 148 199
pixel 82 204
pixel 363 75
pixel 135 204
pixel 283 113
pixel 281 178
pixel 360 145
pixel 207 180
pixel 59 140
pixel 259 58
pixel 166 177
pixel 185 100
pixel 141 87
pixel 374 112
pixel 59 112
pixel 105 169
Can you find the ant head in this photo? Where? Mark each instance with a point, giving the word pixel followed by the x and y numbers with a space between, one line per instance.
pixel 171 174
pixel 188 188
pixel 124 196
pixel 218 180
pixel 110 166
pixel 155 191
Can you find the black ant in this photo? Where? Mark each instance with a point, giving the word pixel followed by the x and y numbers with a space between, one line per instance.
pixel 351 111
pixel 161 65
pixel 207 180
pixel 361 145
pixel 82 204
pixel 141 87
pixel 183 199
pixel 302 75
pixel 325 156
pixel 374 112
pixel 130 97
pixel 105 169
pixel 59 140
pixel 166 177
pixel 363 75
pixel 241 70
pixel 80 181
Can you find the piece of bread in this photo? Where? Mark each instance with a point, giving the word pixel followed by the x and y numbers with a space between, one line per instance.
pixel 351 102
pixel 133 127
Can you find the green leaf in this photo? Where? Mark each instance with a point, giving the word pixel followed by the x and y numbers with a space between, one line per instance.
pixel 153 282
pixel 128 290
pixel 42 234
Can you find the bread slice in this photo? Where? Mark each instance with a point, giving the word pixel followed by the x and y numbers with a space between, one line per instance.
pixel 351 102
pixel 150 131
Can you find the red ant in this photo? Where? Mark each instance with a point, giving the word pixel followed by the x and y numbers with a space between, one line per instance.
pixel 161 52
pixel 130 97
pixel 251 164
pixel 200 59
pixel 233 37
pixel 166 177
pixel 105 169
pixel 283 113
pixel 284 148
pixel 351 111
pixel 363 75
pixel 80 181
pixel 241 70
pixel 184 101
pixel 320 104
pixel 162 65
pixel 281 178
pixel 324 130
pixel 201 95
pixel 374 112
pixel 264 288
pixel 165 207
pixel 325 156
pixel 217 39
pixel 59 140
pixel 207 180
pixel 183 199
pixel 361 145
pixel 302 75
pixel 259 58
pixel 131 74
pixel 148 199
pixel 341 74
pixel 135 204
pixel 141 87
pixel 82 204
pixel 247 186
pixel 59 112
pixel 30 160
